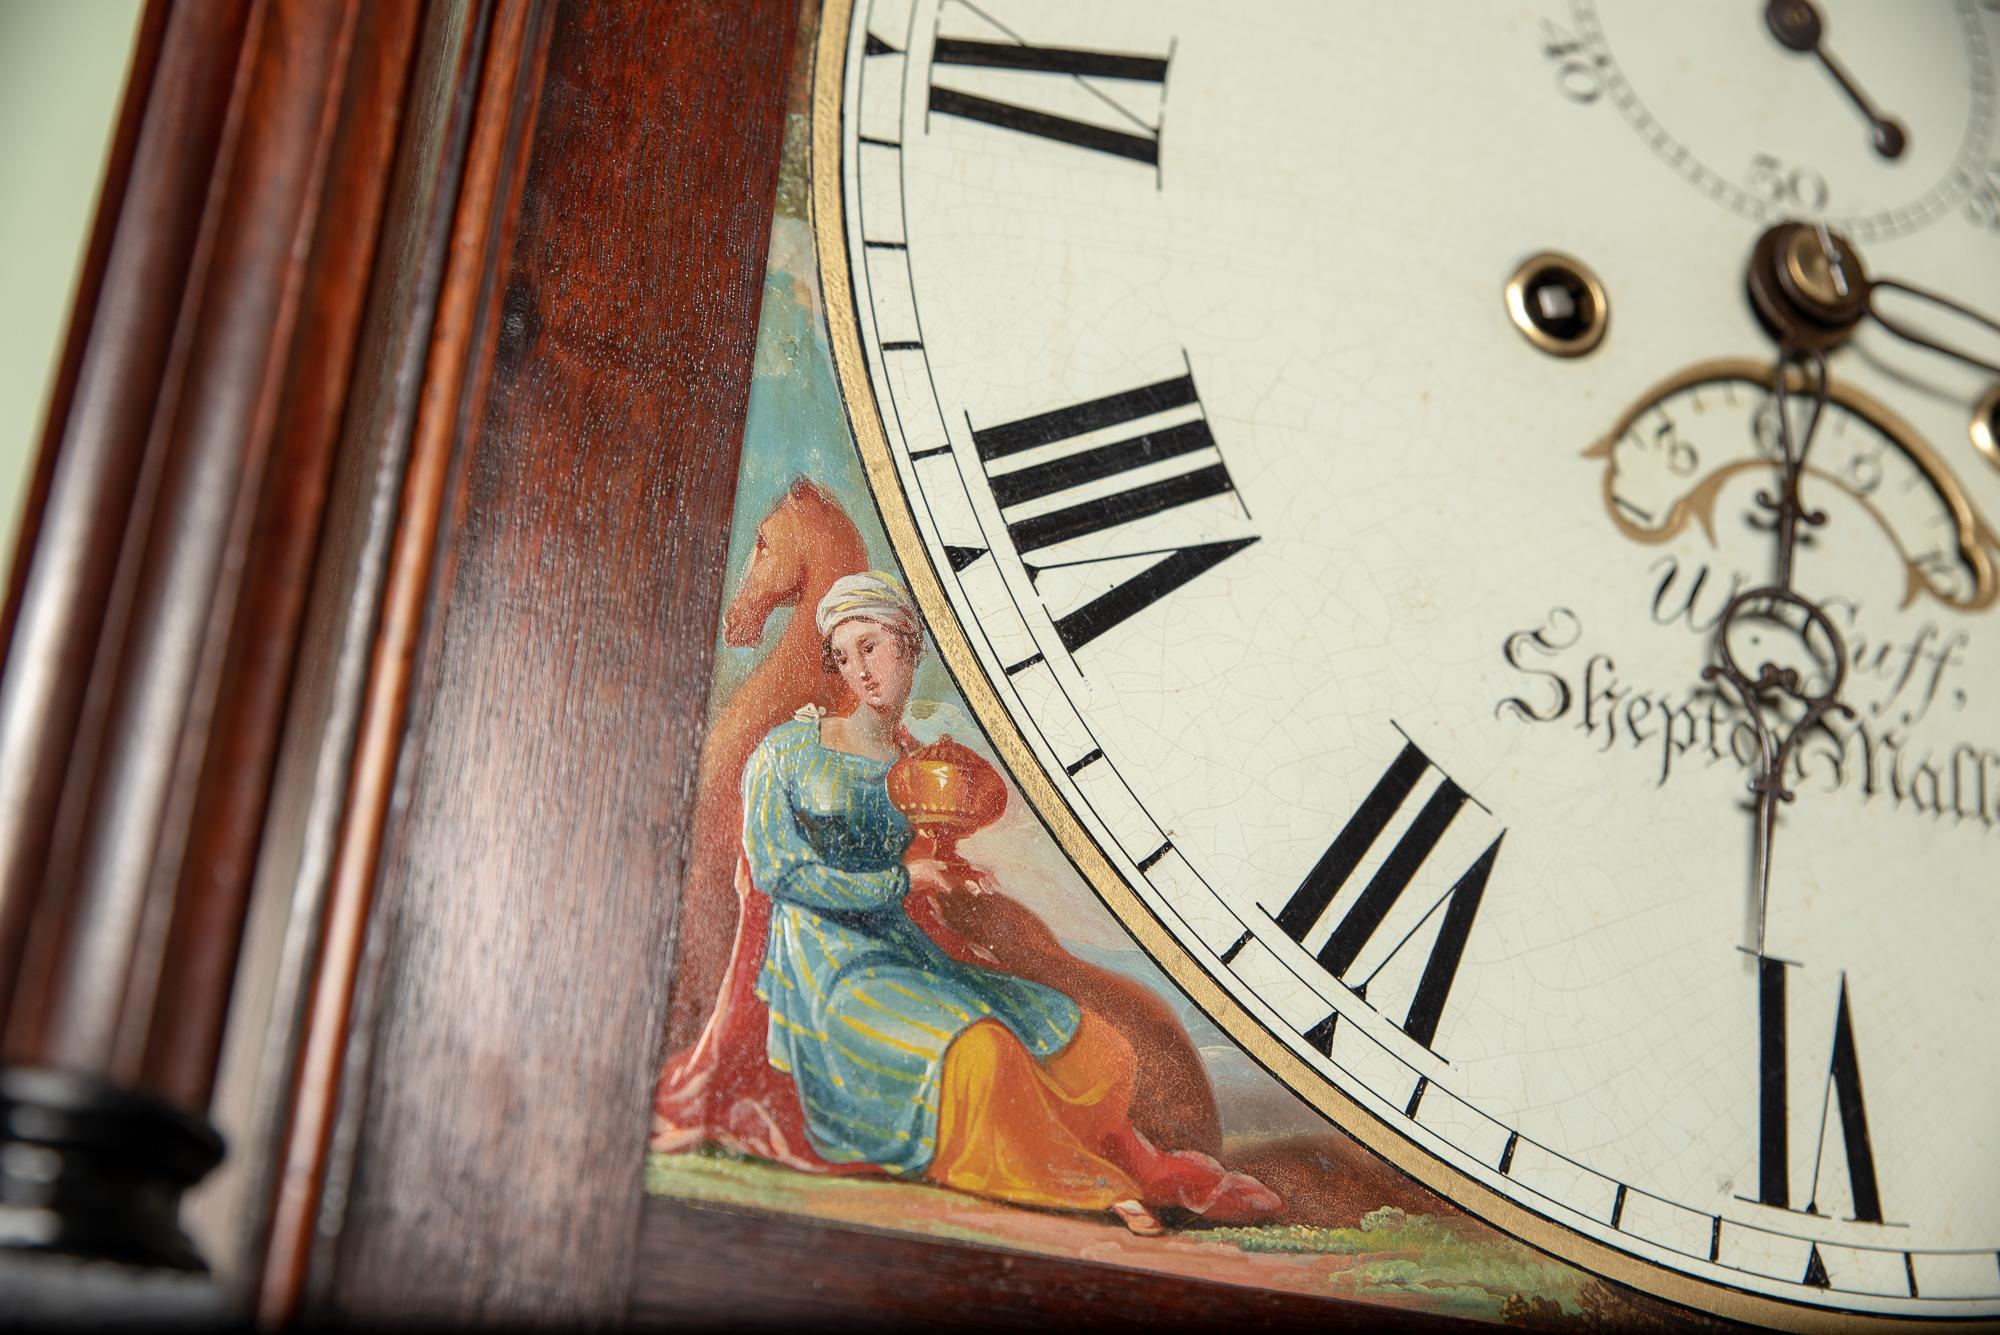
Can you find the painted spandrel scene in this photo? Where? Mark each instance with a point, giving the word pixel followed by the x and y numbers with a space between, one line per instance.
pixel 896 1004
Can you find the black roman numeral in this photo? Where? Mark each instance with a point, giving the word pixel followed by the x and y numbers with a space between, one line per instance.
pixel 1774 1173
pixel 1140 143
pixel 1175 566
pixel 1136 594
pixel 1308 904
pixel 1843 1085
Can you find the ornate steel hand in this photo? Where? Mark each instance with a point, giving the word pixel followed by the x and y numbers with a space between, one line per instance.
pixel 1783 701
pixel 1910 335
pixel 1812 290
pixel 1798 27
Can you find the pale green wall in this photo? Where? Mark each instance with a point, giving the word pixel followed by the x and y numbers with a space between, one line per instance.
pixel 62 71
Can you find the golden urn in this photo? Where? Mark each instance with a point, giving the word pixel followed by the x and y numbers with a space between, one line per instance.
pixel 946 791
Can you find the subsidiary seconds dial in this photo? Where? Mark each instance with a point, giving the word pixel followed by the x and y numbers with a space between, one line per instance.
pixel 1764 127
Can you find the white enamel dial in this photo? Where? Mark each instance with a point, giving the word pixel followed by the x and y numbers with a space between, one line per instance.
pixel 1295 585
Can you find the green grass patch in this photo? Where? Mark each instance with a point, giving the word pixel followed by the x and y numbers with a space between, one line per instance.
pixel 1438 1264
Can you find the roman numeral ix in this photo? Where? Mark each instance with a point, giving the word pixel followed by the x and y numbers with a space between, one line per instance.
pixel 1099 509
pixel 1140 143
pixel 1305 911
pixel 1842 1089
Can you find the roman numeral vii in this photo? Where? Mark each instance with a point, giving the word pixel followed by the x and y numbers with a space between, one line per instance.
pixel 1304 913
pixel 1131 138
pixel 1089 494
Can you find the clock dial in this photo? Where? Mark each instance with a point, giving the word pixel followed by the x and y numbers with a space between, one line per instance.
pixel 1926 67
pixel 1670 458
pixel 1353 646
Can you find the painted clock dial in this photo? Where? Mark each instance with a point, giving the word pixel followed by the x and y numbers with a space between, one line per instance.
pixel 1353 645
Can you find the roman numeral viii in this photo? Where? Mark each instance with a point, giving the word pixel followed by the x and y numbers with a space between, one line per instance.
pixel 1842 1090
pixel 1304 912
pixel 1131 138
pixel 1098 501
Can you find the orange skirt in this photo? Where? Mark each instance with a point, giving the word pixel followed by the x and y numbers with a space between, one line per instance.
pixel 1036 1132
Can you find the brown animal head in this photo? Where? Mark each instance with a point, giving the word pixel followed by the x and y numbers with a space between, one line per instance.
pixel 804 544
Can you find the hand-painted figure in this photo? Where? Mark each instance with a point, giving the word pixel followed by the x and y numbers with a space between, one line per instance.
pixel 901 1058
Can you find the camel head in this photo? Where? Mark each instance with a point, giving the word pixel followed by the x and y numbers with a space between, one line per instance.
pixel 804 544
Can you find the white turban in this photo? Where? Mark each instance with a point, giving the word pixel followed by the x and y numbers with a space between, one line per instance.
pixel 870 596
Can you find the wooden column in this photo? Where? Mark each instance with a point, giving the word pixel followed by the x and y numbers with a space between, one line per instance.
pixel 507 1019
pixel 155 607
pixel 360 637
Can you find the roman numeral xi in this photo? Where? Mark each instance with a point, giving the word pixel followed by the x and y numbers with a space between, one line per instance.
pixel 1101 503
pixel 1305 912
pixel 1140 142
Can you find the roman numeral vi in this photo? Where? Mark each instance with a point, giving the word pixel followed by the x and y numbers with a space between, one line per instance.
pixel 1843 1089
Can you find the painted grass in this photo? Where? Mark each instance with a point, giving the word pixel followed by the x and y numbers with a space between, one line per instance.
pixel 1420 1261
pixel 1395 1251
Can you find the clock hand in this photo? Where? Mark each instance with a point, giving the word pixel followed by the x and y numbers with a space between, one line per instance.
pixel 1812 289
pixel 1798 27
pixel 1813 687
pixel 1909 335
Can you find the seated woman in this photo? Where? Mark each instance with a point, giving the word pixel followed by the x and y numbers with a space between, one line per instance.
pixel 903 1058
